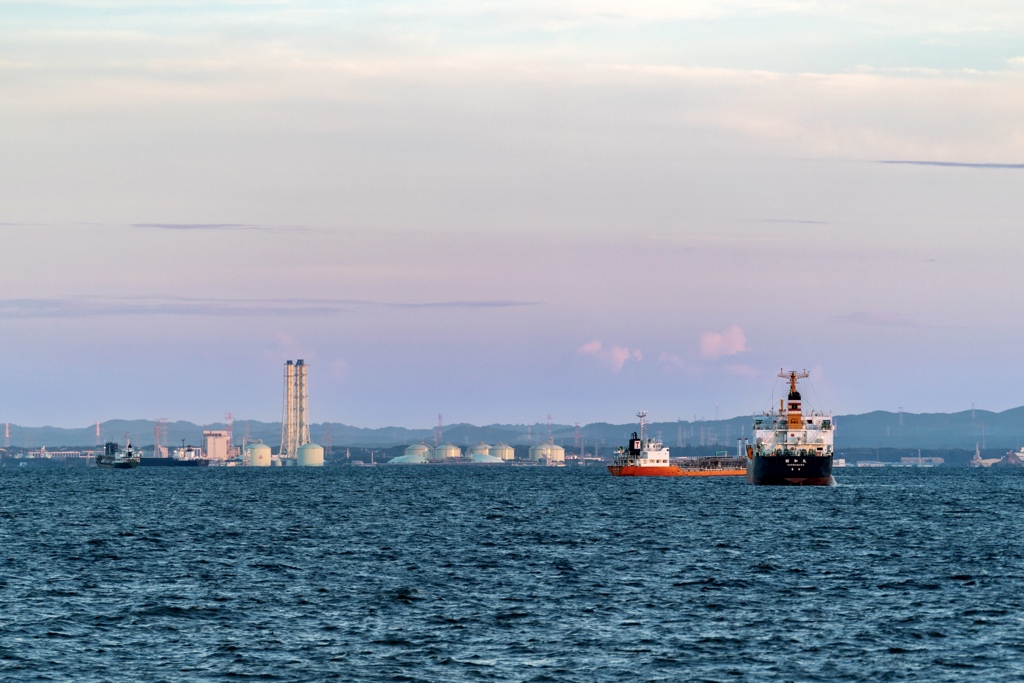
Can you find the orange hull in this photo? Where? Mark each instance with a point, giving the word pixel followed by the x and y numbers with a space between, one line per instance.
pixel 670 471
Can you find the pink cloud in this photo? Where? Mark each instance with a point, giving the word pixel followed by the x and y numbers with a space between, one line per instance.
pixel 615 356
pixel 728 343
pixel 672 360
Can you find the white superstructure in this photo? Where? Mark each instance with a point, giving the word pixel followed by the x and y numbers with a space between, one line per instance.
pixel 188 453
pixel 643 451
pixel 788 431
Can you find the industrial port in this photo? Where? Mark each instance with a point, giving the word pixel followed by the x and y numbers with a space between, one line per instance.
pixel 290 443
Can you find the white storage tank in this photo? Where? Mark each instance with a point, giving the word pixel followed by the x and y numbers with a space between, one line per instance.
pixel 479 449
pixel 418 450
pixel 310 455
pixel 547 451
pixel 503 451
pixel 257 455
pixel 447 451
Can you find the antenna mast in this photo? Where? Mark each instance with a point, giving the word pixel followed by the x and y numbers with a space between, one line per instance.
pixel 793 376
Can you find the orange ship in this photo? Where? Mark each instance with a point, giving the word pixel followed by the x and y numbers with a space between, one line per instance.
pixel 647 457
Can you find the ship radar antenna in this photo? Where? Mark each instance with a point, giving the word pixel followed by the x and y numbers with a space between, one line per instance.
pixel 793 376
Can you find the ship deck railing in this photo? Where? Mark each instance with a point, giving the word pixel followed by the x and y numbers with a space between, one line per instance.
pixel 711 462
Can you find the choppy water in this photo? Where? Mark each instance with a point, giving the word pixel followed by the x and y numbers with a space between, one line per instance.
pixel 508 574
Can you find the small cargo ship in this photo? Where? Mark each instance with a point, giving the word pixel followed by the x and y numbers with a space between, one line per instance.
pixel 113 457
pixel 646 457
pixel 791 448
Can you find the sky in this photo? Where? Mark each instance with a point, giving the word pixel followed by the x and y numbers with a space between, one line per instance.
pixel 499 211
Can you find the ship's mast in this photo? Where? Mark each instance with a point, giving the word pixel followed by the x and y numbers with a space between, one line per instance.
pixel 794 413
pixel 643 424
pixel 793 376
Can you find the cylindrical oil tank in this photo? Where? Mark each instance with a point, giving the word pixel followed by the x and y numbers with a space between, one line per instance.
pixel 310 455
pixel 418 450
pixel 503 451
pixel 479 449
pixel 447 451
pixel 276 462
pixel 547 451
pixel 257 455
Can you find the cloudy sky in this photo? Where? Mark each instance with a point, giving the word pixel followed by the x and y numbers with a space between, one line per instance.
pixel 502 210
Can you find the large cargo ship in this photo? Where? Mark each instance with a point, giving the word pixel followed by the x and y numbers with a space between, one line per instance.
pixel 113 457
pixel 791 448
pixel 646 457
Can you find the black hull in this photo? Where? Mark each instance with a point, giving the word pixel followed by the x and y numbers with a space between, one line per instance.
pixel 792 470
pixel 171 462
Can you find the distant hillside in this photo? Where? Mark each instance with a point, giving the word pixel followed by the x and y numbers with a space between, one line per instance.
pixel 878 429
pixel 932 430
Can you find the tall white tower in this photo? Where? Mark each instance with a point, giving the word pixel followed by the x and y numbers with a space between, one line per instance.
pixel 301 404
pixel 295 411
pixel 288 444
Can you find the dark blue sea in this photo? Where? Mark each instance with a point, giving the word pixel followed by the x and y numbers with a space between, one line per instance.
pixel 508 574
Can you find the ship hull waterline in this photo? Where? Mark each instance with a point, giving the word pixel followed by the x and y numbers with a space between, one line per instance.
pixel 117 466
pixel 670 471
pixel 172 462
pixel 795 471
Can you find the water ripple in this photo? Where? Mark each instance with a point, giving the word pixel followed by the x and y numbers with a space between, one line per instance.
pixel 472 574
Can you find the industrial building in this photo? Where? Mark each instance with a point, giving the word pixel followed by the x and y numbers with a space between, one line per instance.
pixel 216 444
